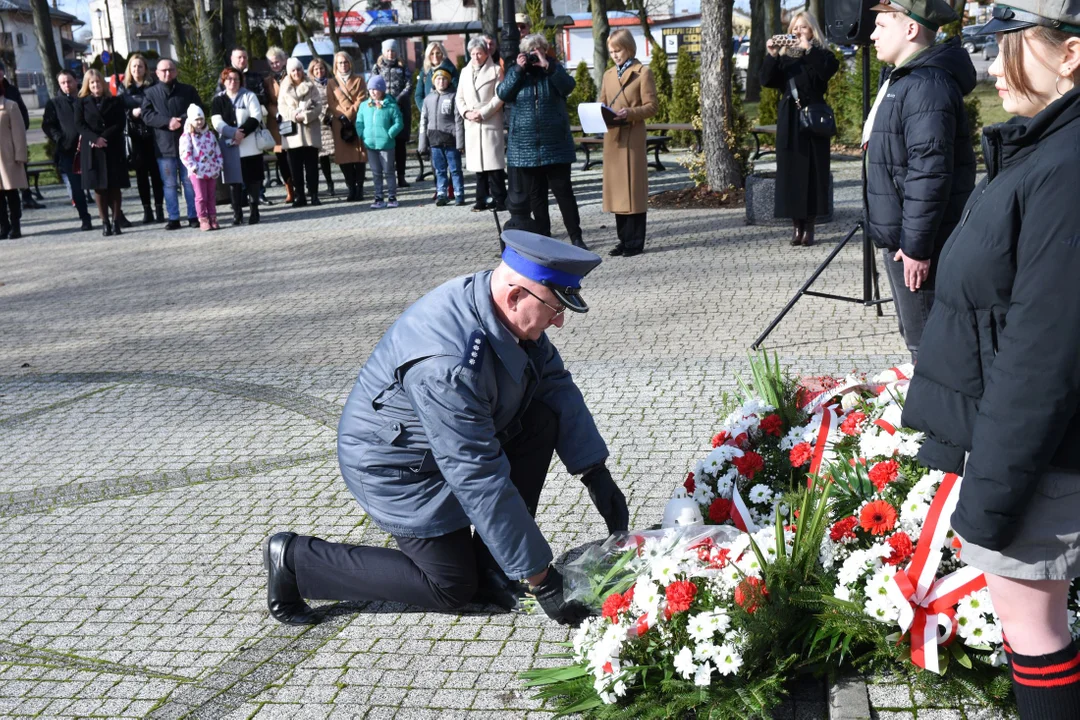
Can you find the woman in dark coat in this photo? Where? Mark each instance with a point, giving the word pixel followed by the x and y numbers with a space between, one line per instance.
pixel 100 119
pixel 802 159
pixel 137 79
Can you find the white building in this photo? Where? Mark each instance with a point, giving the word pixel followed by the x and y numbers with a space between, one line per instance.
pixel 127 26
pixel 19 47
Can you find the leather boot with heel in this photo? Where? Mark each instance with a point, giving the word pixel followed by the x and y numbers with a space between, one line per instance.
pixel 808 233
pixel 796 233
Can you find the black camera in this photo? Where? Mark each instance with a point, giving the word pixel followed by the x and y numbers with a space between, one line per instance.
pixel 531 60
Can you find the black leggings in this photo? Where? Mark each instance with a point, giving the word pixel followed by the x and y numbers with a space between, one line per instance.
pixel 106 199
pixel 304 164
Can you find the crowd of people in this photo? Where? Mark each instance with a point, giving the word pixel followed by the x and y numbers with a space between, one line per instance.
pixel 506 122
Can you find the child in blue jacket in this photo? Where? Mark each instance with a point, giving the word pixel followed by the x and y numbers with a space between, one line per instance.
pixel 378 123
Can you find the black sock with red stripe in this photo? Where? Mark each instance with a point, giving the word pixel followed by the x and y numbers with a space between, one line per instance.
pixel 1047 687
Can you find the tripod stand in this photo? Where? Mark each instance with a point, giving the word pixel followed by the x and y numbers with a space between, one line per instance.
pixel 871 295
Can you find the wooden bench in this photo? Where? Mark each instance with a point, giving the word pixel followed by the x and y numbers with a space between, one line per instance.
pixel 272 171
pixel 656 143
pixel 33 171
pixel 758 132
pixel 676 127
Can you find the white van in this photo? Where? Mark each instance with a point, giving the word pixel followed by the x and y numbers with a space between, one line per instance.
pixel 325 48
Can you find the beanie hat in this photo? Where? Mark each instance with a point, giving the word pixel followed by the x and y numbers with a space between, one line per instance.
pixel 441 72
pixel 294 64
pixel 194 112
pixel 377 83
pixel 389 44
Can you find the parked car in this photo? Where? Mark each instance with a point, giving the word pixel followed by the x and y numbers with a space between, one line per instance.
pixel 972 42
pixel 990 49
pixel 742 57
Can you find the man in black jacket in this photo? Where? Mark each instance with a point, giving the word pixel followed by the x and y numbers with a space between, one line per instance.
pixel 11 91
pixel 164 109
pixel 253 81
pixel 920 163
pixel 59 126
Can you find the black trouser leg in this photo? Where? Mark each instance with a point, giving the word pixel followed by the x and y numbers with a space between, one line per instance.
pixel 328 172
pixel 438 572
pixel 631 230
pixel 5 221
pixel 517 200
pixel 142 179
pixel 497 186
pixel 529 452
pixel 236 198
pixel 284 170
pixel 400 147
pixel 562 187
pixel 311 170
pixel 296 168
pixel 538 200
pixel 482 189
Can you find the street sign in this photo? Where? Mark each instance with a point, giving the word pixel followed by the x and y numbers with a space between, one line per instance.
pixel 106 56
pixel 349 23
pixel 682 37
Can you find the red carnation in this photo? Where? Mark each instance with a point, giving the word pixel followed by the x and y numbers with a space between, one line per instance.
pixel 749 464
pixel 901 546
pixel 884 473
pixel 720 438
pixel 739 441
pixel 720 510
pixel 688 483
pixel 628 596
pixel 843 529
pixel 851 423
pixel 719 559
pixel 772 425
pixel 800 454
pixel 679 595
pixel 750 592
pixel 878 517
pixel 614 604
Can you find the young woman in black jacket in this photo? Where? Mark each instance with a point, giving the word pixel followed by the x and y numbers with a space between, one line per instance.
pixel 143 161
pixel 802 159
pixel 997 386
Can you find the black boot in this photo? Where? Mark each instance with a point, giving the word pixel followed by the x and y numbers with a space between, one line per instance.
pixel 16 230
pixel 253 213
pixel 121 221
pixel 282 595
pixel 494 588
pixel 237 215
pixel 315 199
pixel 808 233
pixel 147 215
pixel 796 233
pixel 576 241
pixel 106 228
pixel 159 213
pixel 116 225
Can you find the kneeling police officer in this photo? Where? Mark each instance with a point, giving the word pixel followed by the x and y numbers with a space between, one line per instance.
pixel 452 423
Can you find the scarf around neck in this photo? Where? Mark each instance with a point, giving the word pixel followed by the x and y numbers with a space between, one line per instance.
pixel 625 66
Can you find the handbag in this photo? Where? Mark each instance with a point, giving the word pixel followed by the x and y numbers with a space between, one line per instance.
pixel 286 128
pixel 817 119
pixel 264 140
pixel 348 130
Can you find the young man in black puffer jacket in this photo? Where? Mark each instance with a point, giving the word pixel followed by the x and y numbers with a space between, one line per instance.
pixel 920 162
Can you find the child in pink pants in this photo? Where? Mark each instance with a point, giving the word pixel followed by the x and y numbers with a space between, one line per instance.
pixel 201 155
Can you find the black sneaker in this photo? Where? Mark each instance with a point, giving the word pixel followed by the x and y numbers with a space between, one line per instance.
pixel 173 225
pixel 193 222
pixel 87 224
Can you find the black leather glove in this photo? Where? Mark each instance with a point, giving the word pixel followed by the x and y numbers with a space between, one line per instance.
pixel 549 595
pixel 608 498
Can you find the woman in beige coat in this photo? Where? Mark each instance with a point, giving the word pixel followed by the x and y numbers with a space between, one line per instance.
pixel 629 90
pixel 344 93
pixel 13 157
pixel 485 139
pixel 298 102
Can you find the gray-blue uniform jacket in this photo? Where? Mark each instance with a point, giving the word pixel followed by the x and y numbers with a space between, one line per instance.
pixel 420 440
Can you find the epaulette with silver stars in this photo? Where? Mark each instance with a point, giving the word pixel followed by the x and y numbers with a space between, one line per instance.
pixel 474 351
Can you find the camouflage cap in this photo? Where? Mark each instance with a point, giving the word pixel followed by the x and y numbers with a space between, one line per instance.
pixel 928 13
pixel 1061 15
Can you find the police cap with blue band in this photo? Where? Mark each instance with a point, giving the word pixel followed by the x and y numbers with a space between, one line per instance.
pixel 554 264
pixel 1061 15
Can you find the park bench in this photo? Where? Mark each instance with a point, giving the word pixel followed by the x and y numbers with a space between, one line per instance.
pixel 656 143
pixel 758 132
pixel 33 174
pixel 272 171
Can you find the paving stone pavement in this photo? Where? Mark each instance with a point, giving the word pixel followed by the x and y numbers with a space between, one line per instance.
pixel 169 399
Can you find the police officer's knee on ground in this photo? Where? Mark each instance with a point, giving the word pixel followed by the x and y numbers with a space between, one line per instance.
pixel 452 425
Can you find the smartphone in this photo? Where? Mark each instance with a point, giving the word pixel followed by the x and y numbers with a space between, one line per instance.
pixel 783 40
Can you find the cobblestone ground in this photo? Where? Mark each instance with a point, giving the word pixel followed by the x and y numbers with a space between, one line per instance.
pixel 169 399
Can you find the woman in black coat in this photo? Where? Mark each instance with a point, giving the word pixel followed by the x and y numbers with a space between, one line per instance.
pixel 101 119
pixel 997 385
pixel 142 159
pixel 802 159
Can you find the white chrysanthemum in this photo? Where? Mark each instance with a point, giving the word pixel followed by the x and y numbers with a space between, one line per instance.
pixel 842 592
pixel 882 611
pixel 703 494
pixel 877 585
pixel 892 413
pixel 581 637
pixel 875 442
pixel 619 688
pixel 664 570
pixel 913 513
pixel 910 442
pixel 849 401
pixel 827 554
pixel 647 597
pixel 705 651
pixel 725 483
pixel 699 627
pixel 761 494
pixel 684 663
pixel 727 659
pixel 702 677
pixel 975 631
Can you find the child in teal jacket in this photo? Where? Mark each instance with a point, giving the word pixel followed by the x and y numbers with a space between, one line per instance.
pixel 378 123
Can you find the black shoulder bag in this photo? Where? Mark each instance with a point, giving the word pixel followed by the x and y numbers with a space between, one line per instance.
pixel 817 119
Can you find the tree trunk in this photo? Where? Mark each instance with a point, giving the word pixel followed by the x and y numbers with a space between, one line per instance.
pixel 489 17
pixel 227 16
pixel 758 35
pixel 177 36
pixel 335 39
pixel 298 19
pixel 50 61
pixel 817 9
pixel 721 168
pixel 642 7
pixel 244 35
pixel 208 33
pixel 600 32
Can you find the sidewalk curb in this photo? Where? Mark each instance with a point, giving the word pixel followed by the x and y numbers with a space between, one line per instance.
pixel 849 699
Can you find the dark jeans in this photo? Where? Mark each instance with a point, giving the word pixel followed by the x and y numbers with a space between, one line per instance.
pixel 530 185
pixel 74 183
pixel 912 308
pixel 439 572
pixel 11 207
pixel 491 183
pixel 304 165
pixel 147 173
pixel 631 230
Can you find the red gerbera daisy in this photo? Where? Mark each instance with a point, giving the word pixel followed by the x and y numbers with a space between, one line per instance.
pixel 878 517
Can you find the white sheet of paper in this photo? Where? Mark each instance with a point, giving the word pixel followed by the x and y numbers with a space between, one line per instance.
pixel 592 118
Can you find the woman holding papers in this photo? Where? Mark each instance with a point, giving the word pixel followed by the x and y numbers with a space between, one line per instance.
pixel 629 90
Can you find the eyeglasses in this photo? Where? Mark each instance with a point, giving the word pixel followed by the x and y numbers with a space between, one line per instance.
pixel 557 310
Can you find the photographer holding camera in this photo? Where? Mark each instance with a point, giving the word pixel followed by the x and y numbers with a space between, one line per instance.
pixel 540 147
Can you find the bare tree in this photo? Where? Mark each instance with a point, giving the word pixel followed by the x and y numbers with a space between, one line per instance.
pixel 489 17
pixel 335 38
pixel 209 32
pixel 177 36
pixel 764 23
pixel 600 32
pixel 46 44
pixel 227 14
pixel 244 30
pixel 643 8
pixel 721 168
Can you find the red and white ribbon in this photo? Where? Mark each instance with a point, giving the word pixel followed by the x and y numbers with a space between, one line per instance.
pixel 820 444
pixel 740 514
pixel 927 604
